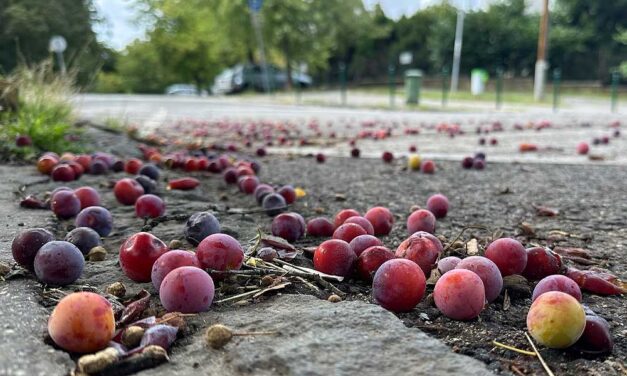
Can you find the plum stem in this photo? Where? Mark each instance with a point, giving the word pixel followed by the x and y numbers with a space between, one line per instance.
pixel 512 348
pixel 477 227
pixel 546 367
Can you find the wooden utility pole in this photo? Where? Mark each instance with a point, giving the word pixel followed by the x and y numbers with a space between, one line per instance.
pixel 541 63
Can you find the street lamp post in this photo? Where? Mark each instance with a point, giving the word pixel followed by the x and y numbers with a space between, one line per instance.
pixel 541 64
pixel 255 7
pixel 457 50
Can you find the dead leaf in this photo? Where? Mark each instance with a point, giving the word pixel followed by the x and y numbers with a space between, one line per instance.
pixel 276 242
pixel 340 197
pixel 526 228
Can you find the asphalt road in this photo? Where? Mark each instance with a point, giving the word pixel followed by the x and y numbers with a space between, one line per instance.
pixel 569 127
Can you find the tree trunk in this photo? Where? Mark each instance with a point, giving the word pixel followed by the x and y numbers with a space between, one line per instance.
pixel 602 71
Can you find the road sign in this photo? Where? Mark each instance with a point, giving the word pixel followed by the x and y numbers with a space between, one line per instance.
pixel 255 5
pixel 405 58
pixel 57 44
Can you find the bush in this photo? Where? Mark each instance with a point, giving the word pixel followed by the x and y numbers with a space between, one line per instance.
pixel 44 112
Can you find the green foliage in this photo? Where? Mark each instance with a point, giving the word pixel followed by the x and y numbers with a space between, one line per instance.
pixel 27 25
pixel 193 40
pixel 44 113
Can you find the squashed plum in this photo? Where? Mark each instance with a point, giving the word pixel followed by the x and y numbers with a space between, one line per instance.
pixel 541 262
pixel 421 248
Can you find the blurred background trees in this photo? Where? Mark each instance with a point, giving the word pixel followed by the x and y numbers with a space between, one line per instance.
pixel 191 41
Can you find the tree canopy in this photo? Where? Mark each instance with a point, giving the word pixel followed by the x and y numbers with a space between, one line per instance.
pixel 191 41
pixel 27 25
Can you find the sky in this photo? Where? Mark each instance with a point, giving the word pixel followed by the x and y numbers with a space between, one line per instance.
pixel 120 26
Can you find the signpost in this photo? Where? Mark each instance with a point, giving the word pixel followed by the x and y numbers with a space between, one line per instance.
pixel 255 7
pixel 58 44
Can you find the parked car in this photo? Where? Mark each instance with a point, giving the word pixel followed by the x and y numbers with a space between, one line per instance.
pixel 245 76
pixel 184 89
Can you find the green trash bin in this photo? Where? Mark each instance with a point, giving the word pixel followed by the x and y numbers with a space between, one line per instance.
pixel 413 78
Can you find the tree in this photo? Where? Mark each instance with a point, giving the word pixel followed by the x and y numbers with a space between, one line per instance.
pixel 584 38
pixel 27 25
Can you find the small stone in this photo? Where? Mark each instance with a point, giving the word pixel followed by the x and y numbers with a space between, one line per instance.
pixel 424 316
pixel 116 289
pixel 176 244
pixel 4 269
pixel 267 280
pixel 413 208
pixel 97 254
pixel 95 363
pixel 132 336
pixel 218 335
pixel 333 298
pixel 517 285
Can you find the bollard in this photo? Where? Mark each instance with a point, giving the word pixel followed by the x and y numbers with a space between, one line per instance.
pixel 499 88
pixel 557 75
pixel 615 80
pixel 412 86
pixel 444 86
pixel 392 84
pixel 343 83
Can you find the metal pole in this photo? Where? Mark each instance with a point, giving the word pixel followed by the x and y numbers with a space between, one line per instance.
pixel 457 50
pixel 444 87
pixel 262 54
pixel 298 93
pixel 61 63
pixel 615 80
pixel 499 88
pixel 557 75
pixel 392 84
pixel 541 64
pixel 343 83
